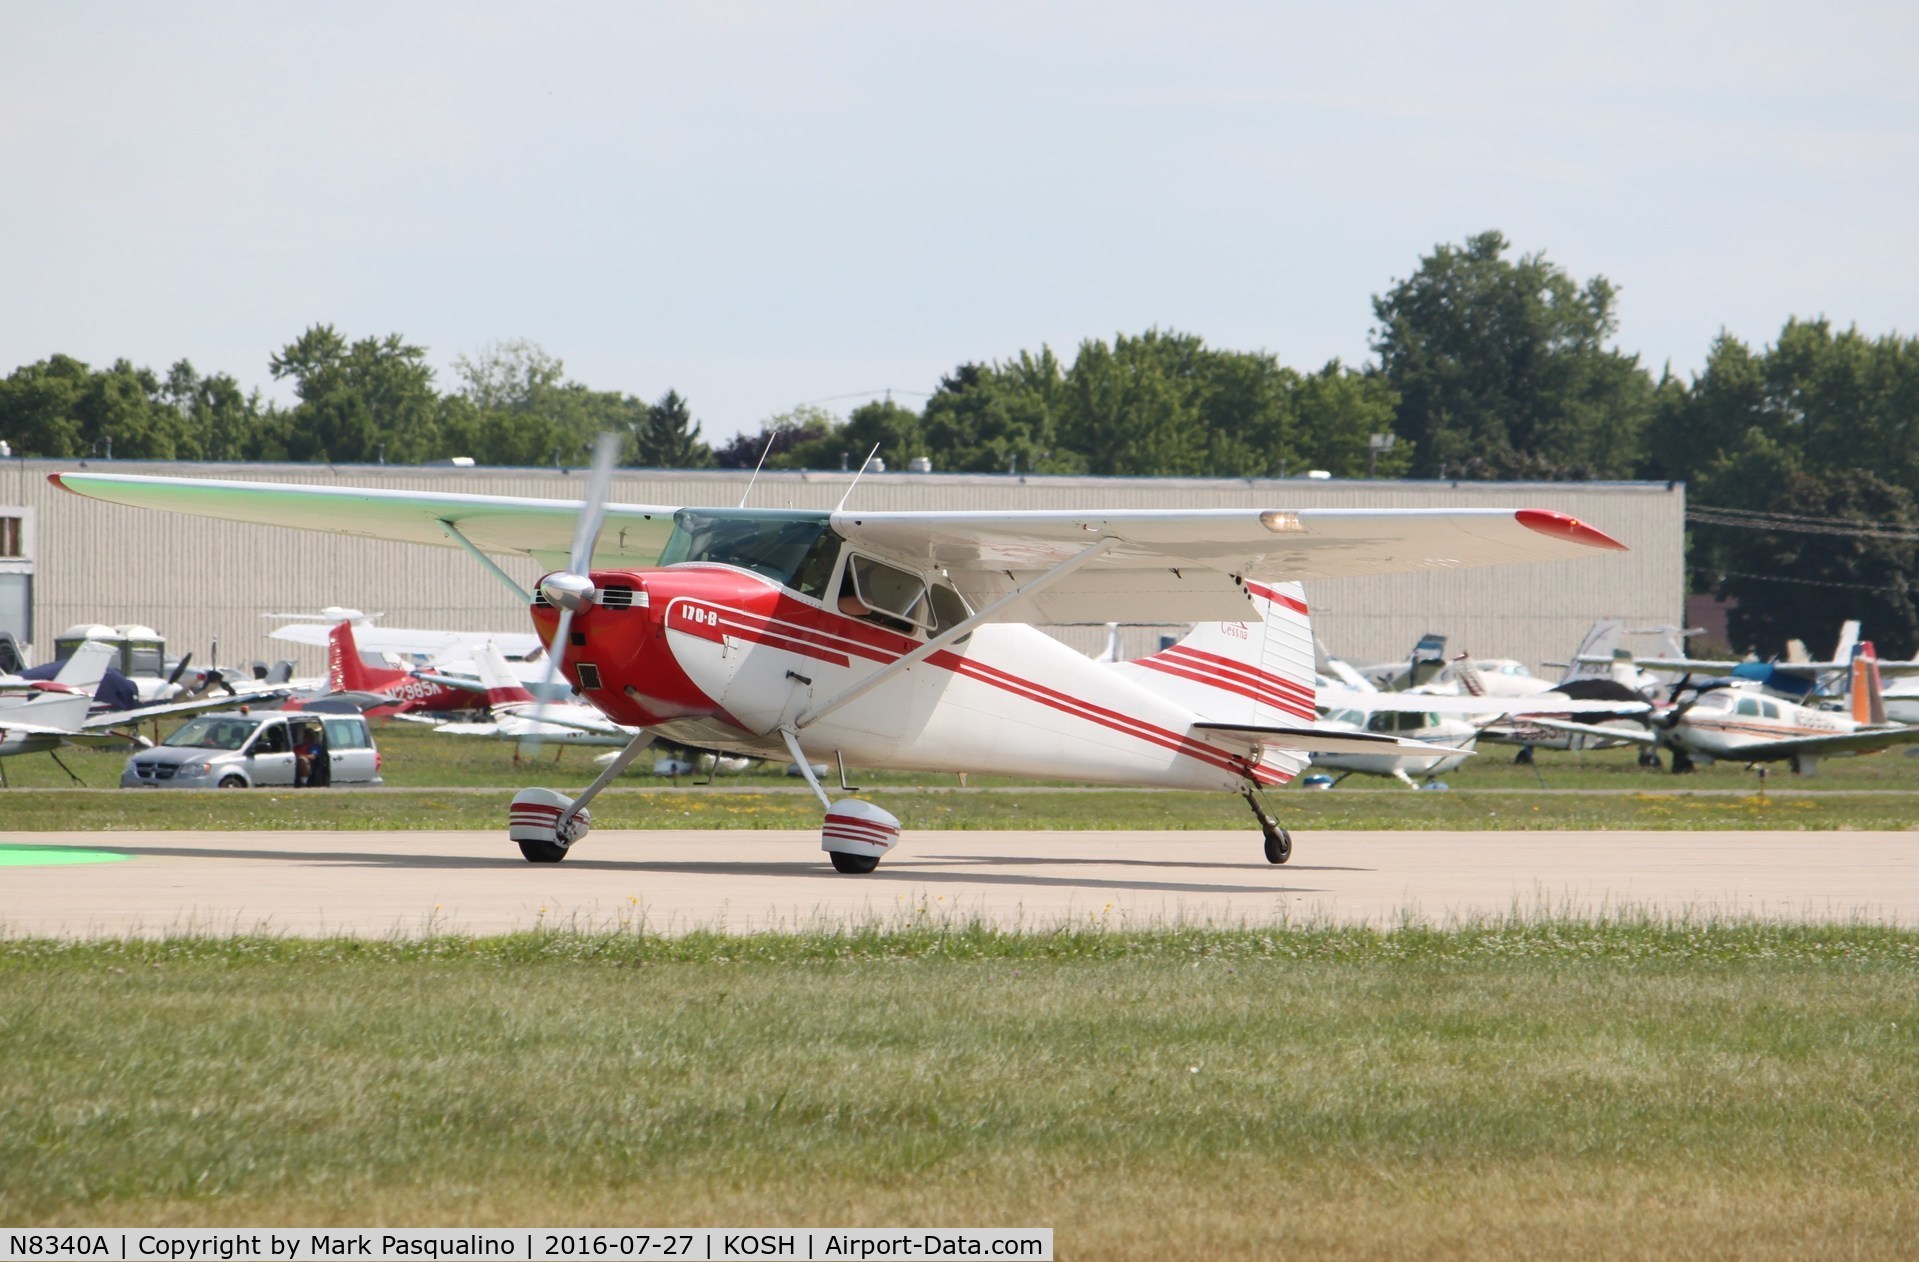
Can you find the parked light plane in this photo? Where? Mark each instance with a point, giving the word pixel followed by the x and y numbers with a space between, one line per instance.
pixel 43 723
pixel 1723 723
pixel 901 639
pixel 374 690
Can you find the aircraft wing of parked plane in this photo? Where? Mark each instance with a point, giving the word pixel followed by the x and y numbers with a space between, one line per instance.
pixel 1460 704
pixel 903 639
pixel 414 642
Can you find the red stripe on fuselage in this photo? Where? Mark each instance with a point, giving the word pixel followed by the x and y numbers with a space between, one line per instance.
pixel 834 641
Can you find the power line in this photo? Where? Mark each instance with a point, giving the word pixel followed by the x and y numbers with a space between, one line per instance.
pixel 1813 582
pixel 1794 523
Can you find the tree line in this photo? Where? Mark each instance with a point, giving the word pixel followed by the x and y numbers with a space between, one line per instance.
pixel 1488 365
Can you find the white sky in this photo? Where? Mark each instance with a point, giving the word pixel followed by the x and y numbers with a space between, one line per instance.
pixel 767 204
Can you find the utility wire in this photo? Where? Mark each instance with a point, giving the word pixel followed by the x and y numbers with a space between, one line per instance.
pixel 1793 523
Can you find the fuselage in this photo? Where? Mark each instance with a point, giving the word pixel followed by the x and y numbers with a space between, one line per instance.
pixel 1730 722
pixel 722 657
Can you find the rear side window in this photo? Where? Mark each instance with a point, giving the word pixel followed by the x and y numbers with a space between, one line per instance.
pixel 346 734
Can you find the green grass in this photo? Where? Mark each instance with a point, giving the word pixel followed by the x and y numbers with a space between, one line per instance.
pixel 745 807
pixel 1632 1088
pixel 438 781
pixel 418 758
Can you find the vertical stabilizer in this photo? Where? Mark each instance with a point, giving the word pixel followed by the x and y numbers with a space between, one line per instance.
pixel 83 671
pixel 1254 674
pixel 346 670
pixel 1868 704
pixel 1593 659
pixel 1848 640
pixel 503 687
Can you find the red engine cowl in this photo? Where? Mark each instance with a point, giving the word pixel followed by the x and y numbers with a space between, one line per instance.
pixel 619 657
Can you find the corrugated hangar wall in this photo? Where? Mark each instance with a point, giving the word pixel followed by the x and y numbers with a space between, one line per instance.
pixel 194 579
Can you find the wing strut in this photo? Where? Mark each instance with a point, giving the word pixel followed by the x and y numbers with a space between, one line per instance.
pixel 959 630
pixel 453 532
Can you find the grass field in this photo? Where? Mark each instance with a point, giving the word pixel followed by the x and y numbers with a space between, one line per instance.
pixel 418 758
pixel 1568 1090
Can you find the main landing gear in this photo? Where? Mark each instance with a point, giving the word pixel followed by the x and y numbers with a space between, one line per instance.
pixel 1279 842
pixel 545 824
pixel 855 834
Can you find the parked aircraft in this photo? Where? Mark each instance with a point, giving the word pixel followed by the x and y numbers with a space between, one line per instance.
pixel 41 724
pixel 900 639
pixel 1797 678
pixel 424 646
pixel 371 690
pixel 1721 723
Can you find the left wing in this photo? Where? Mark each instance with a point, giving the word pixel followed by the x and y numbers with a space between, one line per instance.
pixel 1837 743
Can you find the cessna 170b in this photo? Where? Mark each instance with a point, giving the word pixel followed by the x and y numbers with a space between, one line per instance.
pixel 903 639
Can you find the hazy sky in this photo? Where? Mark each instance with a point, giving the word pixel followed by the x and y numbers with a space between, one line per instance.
pixel 767 204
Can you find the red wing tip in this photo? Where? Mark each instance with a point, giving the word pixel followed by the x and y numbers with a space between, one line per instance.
pixel 55 479
pixel 1562 526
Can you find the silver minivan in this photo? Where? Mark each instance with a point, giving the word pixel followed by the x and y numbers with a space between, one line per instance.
pixel 237 750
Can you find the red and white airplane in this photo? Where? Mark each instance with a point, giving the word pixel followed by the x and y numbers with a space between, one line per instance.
pixel 376 690
pixel 903 639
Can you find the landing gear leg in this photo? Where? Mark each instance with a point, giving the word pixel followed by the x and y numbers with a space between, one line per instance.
pixel 1279 842
pixel 545 824
pixel 855 834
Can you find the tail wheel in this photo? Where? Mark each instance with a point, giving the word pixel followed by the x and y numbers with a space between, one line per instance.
pixel 853 864
pixel 542 851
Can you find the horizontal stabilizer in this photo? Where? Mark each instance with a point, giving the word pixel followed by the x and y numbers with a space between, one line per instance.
pixel 1318 740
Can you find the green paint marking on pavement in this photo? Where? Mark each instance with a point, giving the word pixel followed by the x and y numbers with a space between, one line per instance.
pixel 47 856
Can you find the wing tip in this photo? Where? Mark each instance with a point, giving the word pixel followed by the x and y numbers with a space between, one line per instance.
pixel 55 479
pixel 1565 526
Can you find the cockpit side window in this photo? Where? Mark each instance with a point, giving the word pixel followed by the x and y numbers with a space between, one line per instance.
pixel 949 608
pixel 899 594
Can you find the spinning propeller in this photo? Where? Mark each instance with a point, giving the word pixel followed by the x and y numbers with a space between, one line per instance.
pixel 570 590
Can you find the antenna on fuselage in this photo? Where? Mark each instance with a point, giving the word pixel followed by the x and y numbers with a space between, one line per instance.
pixel 771 437
pixel 856 477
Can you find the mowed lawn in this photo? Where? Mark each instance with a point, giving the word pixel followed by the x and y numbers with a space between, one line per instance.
pixel 1565 1090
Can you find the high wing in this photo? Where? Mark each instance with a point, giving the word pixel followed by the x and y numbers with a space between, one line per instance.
pixel 1449 703
pixel 408 641
pixel 1193 560
pixel 1754 670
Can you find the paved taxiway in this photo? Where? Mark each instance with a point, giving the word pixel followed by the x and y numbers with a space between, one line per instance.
pixel 405 883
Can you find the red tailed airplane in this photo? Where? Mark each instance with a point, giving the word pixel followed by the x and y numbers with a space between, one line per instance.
pixel 374 690
pixel 904 639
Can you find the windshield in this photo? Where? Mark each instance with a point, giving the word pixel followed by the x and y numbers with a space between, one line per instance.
pixel 214 732
pixel 794 549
